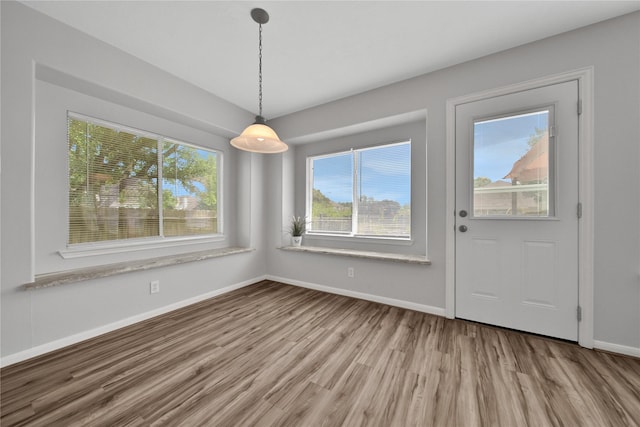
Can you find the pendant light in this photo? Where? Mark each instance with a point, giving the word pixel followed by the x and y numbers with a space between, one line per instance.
pixel 258 137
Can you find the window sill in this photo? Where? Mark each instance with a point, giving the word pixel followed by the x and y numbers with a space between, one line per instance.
pixel 89 273
pixel 410 259
pixel 378 240
pixel 99 249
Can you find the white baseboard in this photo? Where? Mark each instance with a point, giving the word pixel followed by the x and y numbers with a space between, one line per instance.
pixel 438 311
pixel 92 333
pixel 617 348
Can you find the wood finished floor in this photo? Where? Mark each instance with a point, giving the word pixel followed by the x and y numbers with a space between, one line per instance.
pixel 273 354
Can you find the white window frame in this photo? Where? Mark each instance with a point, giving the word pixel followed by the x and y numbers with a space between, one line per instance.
pixel 354 197
pixel 126 245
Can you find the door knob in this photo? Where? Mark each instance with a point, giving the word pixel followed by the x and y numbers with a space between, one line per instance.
pixel 463 228
pixel 463 213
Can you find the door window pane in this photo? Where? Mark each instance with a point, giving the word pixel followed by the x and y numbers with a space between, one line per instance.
pixel 512 167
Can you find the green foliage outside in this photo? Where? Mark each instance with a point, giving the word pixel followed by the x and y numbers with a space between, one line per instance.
pixel 209 197
pixel 169 201
pixel 323 207
pixel 96 159
pixel 376 217
pixel 481 181
pixel 185 166
pixel 536 137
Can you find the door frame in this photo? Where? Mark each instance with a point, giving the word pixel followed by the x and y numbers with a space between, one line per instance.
pixel 584 76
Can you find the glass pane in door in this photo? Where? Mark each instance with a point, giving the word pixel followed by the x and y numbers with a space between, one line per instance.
pixel 512 168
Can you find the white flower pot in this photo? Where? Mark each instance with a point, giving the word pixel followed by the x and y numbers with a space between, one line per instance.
pixel 296 240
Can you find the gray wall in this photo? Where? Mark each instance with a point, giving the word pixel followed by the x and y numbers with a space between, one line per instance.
pixel 45 66
pixel 613 49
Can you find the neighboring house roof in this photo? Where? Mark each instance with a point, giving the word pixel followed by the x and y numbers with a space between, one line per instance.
pixel 534 165
pixel 498 184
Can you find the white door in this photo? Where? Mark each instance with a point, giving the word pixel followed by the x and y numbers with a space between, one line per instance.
pixel 516 211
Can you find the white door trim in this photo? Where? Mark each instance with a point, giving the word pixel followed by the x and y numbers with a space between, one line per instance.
pixel 584 76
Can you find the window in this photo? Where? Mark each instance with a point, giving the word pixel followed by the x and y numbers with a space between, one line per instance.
pixel 129 184
pixel 513 165
pixel 363 192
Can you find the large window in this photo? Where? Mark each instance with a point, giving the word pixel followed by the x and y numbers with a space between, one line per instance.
pixel 129 184
pixel 363 192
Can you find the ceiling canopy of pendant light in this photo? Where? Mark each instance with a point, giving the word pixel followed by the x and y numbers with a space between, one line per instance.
pixel 258 137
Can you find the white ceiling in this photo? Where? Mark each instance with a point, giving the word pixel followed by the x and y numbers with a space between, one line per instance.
pixel 318 51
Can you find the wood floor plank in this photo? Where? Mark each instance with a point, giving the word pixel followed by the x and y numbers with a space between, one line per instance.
pixel 303 403
pixel 375 404
pixel 336 405
pixel 277 355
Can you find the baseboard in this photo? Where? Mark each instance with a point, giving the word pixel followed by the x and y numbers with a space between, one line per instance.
pixel 617 348
pixel 438 311
pixel 92 333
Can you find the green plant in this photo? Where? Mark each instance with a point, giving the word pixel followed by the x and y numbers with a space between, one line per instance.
pixel 298 225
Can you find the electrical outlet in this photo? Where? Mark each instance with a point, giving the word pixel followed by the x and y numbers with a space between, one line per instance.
pixel 154 286
pixel 351 272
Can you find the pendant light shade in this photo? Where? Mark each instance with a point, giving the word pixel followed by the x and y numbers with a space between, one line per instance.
pixel 258 137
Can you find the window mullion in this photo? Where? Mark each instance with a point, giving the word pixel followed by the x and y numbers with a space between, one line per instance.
pixel 160 202
pixel 354 204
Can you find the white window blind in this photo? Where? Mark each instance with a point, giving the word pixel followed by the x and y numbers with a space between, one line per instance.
pixel 127 184
pixel 384 190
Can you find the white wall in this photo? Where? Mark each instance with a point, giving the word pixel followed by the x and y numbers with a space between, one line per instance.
pixel 613 49
pixel 44 65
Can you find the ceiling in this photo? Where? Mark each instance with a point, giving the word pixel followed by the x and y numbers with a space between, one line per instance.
pixel 318 51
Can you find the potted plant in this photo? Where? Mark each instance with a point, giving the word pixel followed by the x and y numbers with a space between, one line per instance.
pixel 297 229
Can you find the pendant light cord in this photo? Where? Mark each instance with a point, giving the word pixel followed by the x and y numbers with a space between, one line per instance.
pixel 260 69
